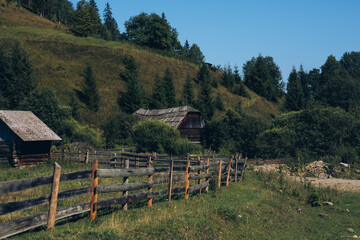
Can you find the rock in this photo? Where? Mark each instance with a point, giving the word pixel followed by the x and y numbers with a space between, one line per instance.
pixel 281 191
pixel 350 230
pixel 355 236
pixel 344 165
pixel 328 203
pixel 323 215
pixel 299 210
pixel 347 210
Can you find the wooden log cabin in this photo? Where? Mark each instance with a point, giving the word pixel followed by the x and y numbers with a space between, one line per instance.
pixel 186 119
pixel 24 139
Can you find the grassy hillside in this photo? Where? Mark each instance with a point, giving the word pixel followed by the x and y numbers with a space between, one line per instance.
pixel 59 58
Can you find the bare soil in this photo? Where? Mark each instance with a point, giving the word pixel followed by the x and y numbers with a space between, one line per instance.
pixel 344 185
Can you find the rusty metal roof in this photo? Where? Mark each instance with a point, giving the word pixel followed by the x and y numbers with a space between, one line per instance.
pixel 172 116
pixel 27 126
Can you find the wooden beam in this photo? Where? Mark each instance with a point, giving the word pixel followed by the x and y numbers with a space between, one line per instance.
pixel 150 166
pixel 54 196
pixel 187 180
pixel 207 172
pixel 94 183
pixel 126 181
pixel 219 175
pixel 170 178
pixel 112 173
pixel 229 172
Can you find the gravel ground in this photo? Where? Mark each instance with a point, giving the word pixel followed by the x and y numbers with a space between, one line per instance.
pixel 340 184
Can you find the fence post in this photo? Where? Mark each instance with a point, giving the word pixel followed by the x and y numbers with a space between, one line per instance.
pixel 94 183
pixel 219 175
pixel 229 172
pixel 137 162
pixel 87 156
pixel 207 171
pixel 199 172
pixel 236 167
pixel 171 177
pixel 126 181
pixel 187 178
pixel 150 165
pixel 54 196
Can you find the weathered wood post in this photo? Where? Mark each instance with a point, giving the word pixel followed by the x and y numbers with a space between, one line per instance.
pixel 137 162
pixel 150 165
pixel 87 156
pixel 207 171
pixel 54 196
pixel 79 155
pixel 229 171
pixel 171 172
pixel 126 181
pixel 187 178
pixel 94 183
pixel 219 174
pixel 236 166
pixel 199 172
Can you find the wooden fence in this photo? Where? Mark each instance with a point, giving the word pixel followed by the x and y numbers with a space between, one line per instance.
pixel 191 174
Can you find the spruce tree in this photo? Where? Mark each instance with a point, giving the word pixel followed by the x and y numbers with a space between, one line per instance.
pixel 304 80
pixel 219 102
pixel 110 23
pixel 205 102
pixel 134 97
pixel 158 96
pixel 90 91
pixel 295 97
pixel 169 88
pixel 17 80
pixel 75 108
pixel 86 19
pixel 188 92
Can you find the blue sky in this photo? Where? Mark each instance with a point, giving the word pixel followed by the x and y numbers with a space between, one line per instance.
pixel 233 31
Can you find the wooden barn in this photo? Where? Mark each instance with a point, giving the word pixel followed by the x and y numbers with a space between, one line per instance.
pixel 24 139
pixel 186 119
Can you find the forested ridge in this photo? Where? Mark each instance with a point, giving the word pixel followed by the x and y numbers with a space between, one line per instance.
pixel 248 108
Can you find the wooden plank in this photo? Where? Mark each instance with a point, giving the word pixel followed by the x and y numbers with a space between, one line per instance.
pixel 187 180
pixel 198 187
pixel 54 196
pixel 199 172
pixel 23 184
pixel 236 167
pixel 200 176
pixel 243 170
pixel 94 183
pixel 126 181
pixel 199 168
pixel 10 207
pixel 24 224
pixel 171 172
pixel 219 175
pixel 110 173
pixel 207 172
pixel 150 180
pixel 75 176
pixel 229 172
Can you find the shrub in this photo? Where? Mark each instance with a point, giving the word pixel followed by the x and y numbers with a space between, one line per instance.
pixel 154 136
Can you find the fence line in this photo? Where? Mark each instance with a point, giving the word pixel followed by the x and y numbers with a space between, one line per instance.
pixel 157 176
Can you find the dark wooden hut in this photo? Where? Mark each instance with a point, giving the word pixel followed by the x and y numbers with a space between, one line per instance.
pixel 186 119
pixel 24 138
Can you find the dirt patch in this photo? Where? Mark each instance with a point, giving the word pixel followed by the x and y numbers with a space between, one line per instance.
pixel 344 185
pixel 316 169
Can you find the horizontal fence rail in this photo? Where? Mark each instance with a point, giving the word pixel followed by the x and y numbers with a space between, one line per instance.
pixel 174 175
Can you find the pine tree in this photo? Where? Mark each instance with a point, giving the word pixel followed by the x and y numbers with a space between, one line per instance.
pixel 188 92
pixel 86 19
pixel 304 80
pixel 17 80
pixel 169 88
pixel 158 96
pixel 228 79
pixel 295 97
pixel 205 102
pixel 75 108
pixel 90 91
pixel 219 102
pixel 110 23
pixel 237 77
pixel 134 97
pixel 94 6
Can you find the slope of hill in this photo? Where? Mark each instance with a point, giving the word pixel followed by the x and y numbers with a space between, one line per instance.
pixel 59 58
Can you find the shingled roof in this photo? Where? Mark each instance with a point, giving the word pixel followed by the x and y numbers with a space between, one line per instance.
pixel 172 116
pixel 27 126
